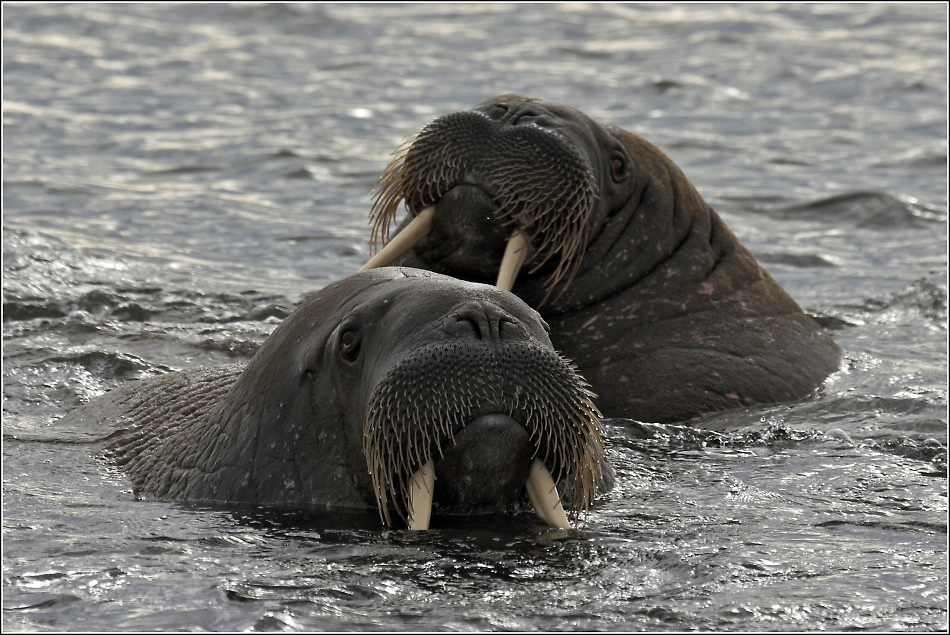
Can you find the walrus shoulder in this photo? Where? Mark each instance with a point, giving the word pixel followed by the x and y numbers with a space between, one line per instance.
pixel 156 419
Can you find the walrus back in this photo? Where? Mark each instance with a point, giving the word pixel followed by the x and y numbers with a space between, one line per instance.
pixel 158 419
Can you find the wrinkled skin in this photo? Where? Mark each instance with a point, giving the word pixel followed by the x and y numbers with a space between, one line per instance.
pixel 664 312
pixel 290 429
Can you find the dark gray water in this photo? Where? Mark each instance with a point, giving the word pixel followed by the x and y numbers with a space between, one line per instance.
pixel 177 178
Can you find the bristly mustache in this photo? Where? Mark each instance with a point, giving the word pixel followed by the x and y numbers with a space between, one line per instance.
pixel 424 399
pixel 541 184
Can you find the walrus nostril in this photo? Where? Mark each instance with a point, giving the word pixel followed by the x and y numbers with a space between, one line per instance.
pixel 515 112
pixel 522 113
pixel 477 328
pixel 485 323
pixel 498 110
pixel 477 322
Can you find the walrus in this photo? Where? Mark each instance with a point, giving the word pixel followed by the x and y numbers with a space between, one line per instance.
pixel 395 389
pixel 644 287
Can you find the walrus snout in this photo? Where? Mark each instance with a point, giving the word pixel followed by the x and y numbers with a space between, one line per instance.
pixel 485 467
pixel 536 182
pixel 458 405
pixel 466 235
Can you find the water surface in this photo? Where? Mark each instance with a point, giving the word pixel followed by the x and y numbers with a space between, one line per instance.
pixel 177 178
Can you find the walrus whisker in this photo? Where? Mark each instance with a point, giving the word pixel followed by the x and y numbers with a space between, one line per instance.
pixel 408 238
pixel 555 222
pixel 390 192
pixel 563 427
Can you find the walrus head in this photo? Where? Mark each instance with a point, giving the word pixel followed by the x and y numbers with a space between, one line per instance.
pixel 539 178
pixel 463 403
pixel 397 389
pixel 646 289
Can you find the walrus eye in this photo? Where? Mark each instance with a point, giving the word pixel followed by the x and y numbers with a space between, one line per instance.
pixel 350 343
pixel 618 167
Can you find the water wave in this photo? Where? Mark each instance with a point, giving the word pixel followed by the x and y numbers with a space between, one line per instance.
pixel 868 210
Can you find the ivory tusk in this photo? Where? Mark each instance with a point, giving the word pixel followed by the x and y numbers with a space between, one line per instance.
pixel 515 252
pixel 405 240
pixel 543 494
pixel 529 487
pixel 421 486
